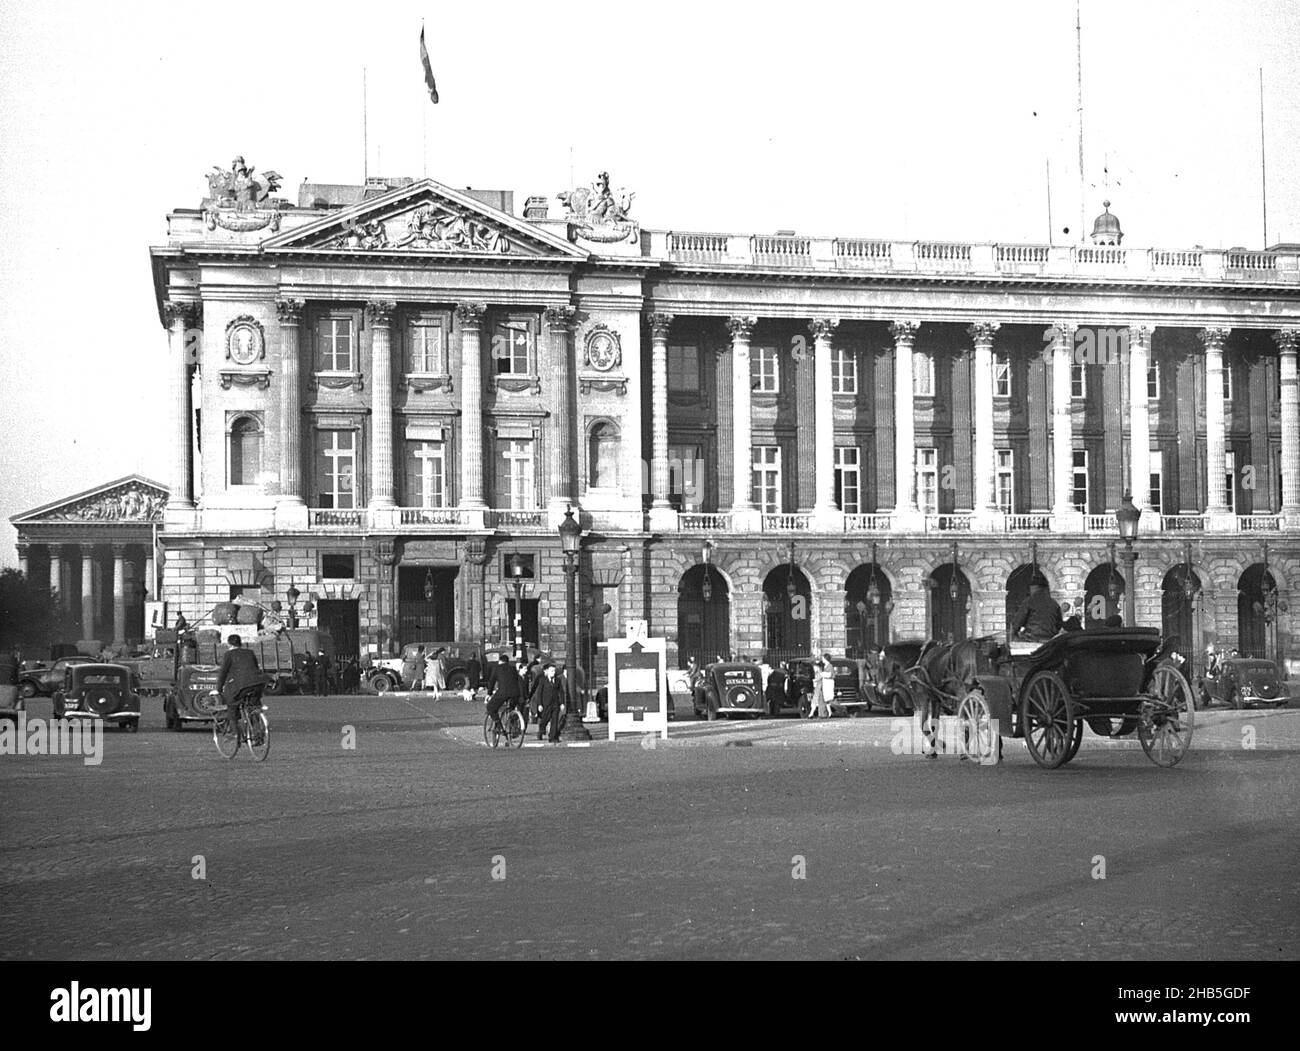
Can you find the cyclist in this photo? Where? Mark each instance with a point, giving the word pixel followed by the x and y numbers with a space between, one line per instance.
pixel 507 689
pixel 239 670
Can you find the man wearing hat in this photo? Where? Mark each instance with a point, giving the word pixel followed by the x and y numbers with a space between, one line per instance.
pixel 1039 617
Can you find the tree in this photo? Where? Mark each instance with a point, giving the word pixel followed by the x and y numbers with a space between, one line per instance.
pixel 29 617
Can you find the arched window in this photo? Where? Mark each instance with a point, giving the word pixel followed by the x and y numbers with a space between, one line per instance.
pixel 245 450
pixel 602 456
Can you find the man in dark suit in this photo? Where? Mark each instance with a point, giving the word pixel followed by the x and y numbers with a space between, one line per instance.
pixel 507 688
pixel 1039 617
pixel 548 694
pixel 239 669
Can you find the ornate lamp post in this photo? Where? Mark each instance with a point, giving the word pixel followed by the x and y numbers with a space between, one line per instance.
pixel 1189 592
pixel 953 591
pixel 570 541
pixel 428 585
pixel 791 588
pixel 1268 606
pixel 293 594
pixel 1127 518
pixel 517 579
pixel 706 592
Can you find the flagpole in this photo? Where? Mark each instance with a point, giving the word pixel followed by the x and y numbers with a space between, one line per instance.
pixel 1263 169
pixel 424 125
pixel 365 141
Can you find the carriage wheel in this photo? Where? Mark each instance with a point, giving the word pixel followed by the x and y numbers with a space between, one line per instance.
pixel 979 739
pixel 1076 739
pixel 1167 717
pixel 1048 719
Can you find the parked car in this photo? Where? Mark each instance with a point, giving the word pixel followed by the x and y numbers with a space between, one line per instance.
pixel 729 688
pixel 853 693
pixel 1245 682
pixel 98 691
pixel 44 681
pixel 465 664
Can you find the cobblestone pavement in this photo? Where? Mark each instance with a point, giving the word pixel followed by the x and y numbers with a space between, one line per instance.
pixel 767 839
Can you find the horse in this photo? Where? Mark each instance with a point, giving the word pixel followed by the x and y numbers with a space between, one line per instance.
pixel 939 677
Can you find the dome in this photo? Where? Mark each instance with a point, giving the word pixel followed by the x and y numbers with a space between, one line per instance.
pixel 1105 230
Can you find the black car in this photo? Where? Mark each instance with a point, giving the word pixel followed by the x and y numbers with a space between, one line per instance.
pixel 98 691
pixel 44 681
pixel 1245 682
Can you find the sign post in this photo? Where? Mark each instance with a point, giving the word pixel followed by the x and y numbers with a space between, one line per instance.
pixel 638 684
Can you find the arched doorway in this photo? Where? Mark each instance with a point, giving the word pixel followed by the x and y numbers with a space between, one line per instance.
pixel 703 616
pixel 949 603
pixel 1180 591
pixel 787 614
pixel 1103 596
pixel 1257 606
pixel 867 605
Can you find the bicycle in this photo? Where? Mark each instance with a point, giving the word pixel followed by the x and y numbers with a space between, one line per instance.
pixel 514 727
pixel 243 722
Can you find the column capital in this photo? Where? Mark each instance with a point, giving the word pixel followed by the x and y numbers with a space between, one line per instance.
pixel 469 314
pixel 1214 338
pixel 741 326
pixel 904 332
pixel 189 314
pixel 386 551
pixel 380 312
pixel 823 328
pixel 982 332
pixel 1141 333
pixel 659 325
pixel 22 549
pixel 1060 334
pixel 1287 340
pixel 290 310
pixel 119 550
pixel 561 318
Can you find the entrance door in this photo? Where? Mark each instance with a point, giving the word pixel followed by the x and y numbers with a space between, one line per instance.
pixel 426 603
pixel 341 618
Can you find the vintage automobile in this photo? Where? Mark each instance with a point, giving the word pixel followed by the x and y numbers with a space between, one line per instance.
pixel 464 666
pixel 1244 682
pixel 98 691
pixel 854 692
pixel 729 688
pixel 44 681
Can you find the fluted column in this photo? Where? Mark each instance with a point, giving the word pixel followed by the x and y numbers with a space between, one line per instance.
pixel 741 328
pixel 380 314
pixel 1215 443
pixel 181 317
pixel 150 577
pixel 56 575
pixel 1062 434
pixel 87 591
pixel 559 332
pixel 119 593
pixel 985 498
pixel 904 333
pixel 823 331
pixel 469 318
pixel 1139 455
pixel 290 312
pixel 1288 342
pixel 659 325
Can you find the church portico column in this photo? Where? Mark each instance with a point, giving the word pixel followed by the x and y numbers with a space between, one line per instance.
pixel 1139 457
pixel 825 513
pixel 56 575
pixel 23 551
pixel 906 515
pixel 290 504
pixel 469 318
pixel 379 312
pixel 87 591
pixel 1288 343
pixel 181 318
pixel 1065 518
pixel 745 518
pixel 1218 515
pixel 119 594
pixel 988 516
pixel 661 512
pixel 559 332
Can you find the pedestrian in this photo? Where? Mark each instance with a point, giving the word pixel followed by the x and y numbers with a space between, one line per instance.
pixel 306 672
pixel 421 666
pixel 548 695
pixel 823 689
pixel 350 676
pixel 435 673
pixel 774 692
pixel 322 674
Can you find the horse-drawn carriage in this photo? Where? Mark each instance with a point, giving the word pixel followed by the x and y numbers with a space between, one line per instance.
pixel 1116 680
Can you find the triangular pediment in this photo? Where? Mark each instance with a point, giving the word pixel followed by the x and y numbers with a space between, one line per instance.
pixel 425 218
pixel 130 499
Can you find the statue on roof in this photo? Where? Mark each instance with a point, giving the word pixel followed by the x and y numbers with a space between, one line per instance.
pixel 599 214
pixel 245 193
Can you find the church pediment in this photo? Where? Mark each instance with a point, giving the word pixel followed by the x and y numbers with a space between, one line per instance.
pixel 425 218
pixel 129 500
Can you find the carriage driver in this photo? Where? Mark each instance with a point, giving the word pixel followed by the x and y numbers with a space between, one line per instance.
pixel 1039 617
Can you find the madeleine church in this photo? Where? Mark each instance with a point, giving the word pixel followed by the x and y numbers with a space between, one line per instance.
pixel 381 394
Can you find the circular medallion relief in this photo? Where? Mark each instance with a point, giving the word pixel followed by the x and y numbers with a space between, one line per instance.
pixel 603 351
pixel 245 342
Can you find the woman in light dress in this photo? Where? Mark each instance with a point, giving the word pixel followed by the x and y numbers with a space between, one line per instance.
pixel 435 671
pixel 823 689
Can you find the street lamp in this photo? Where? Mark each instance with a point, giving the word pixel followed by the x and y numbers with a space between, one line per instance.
pixel 570 540
pixel 1268 606
pixel 1127 518
pixel 706 555
pixel 293 594
pixel 428 585
pixel 953 590
pixel 791 588
pixel 516 565
pixel 1191 588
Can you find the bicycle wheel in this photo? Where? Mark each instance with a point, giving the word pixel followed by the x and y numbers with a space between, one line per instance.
pixel 225 733
pixel 515 729
pixel 490 733
pixel 259 734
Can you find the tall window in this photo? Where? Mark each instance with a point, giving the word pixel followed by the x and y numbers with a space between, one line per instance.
pixel 244 451
pixel 514 347
pixel 1153 381
pixel 1156 488
pixel 426 474
pixel 1005 480
pixel 844 371
pixel 428 348
pixel 336 458
pixel 1230 480
pixel 1227 380
pixel 1001 374
pixel 1078 380
pixel 922 374
pixel 683 368
pixel 1080 486
pixel 764 370
pixel 848 479
pixel 516 477
pixel 927 480
pixel 767 478
pixel 686 476
pixel 337 345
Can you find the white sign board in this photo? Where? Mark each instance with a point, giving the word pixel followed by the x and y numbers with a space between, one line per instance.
pixel 638 686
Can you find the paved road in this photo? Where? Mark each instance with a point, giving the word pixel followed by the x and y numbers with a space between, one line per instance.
pixel 691 848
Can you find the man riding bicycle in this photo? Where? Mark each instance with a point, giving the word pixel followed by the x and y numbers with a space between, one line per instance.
pixel 239 670
pixel 508 688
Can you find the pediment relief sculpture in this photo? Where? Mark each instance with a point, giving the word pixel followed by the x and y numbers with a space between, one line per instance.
pixel 434 227
pixel 133 503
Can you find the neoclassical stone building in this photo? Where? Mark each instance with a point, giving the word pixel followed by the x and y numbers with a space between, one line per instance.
pixel 383 393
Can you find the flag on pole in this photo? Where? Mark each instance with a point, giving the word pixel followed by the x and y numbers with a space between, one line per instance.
pixel 428 70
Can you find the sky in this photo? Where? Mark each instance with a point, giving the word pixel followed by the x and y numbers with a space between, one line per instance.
pixel 930 119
